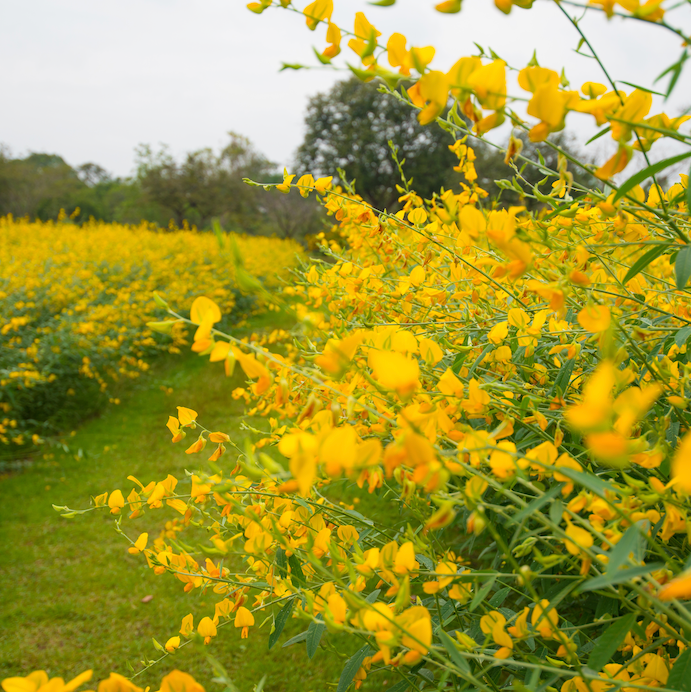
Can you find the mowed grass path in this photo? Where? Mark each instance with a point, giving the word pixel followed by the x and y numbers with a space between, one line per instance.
pixel 71 595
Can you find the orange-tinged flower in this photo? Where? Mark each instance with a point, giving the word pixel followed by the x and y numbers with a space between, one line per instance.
pixel 579 539
pixel 172 644
pixel 595 318
pixel 187 626
pixel 489 84
pixel 681 465
pixel 679 588
pixel 116 502
pixel 318 11
pixel 206 629
pixel 139 544
pixel 186 416
pixel 117 683
pixel 177 681
pixel 394 371
pixel 245 620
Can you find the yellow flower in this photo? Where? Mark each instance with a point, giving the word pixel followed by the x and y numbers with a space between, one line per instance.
pixel 116 502
pixel 187 626
pixel 186 416
pixel 245 620
pixel 177 681
pixel 38 680
pixel 172 644
pixel 679 588
pixel 681 465
pixel 595 318
pixel 206 629
pixel 395 371
pixel 139 544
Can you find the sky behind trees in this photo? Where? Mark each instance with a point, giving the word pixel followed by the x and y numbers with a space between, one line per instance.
pixel 91 80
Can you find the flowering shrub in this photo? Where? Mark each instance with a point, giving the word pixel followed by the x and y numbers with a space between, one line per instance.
pixel 75 303
pixel 508 390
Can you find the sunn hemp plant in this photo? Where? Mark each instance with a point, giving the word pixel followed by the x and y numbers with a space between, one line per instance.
pixel 514 385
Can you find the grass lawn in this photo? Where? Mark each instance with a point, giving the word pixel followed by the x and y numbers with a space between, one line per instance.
pixel 72 595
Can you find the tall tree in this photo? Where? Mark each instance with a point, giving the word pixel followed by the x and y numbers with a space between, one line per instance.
pixel 350 128
pixel 205 184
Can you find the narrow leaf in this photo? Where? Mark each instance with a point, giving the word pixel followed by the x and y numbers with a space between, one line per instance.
pixel 454 654
pixel 480 595
pixel 682 267
pixel 296 639
pixel 401 686
pixel 281 620
pixel 351 667
pixel 610 641
pixel 620 553
pixel 680 675
pixel 644 260
pixel 599 134
pixel 590 481
pixel 621 576
pixel 314 635
pixel 642 88
pixel 537 503
pixel 639 177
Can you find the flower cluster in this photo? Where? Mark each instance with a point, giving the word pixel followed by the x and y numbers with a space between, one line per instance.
pixel 75 302
pixel 476 457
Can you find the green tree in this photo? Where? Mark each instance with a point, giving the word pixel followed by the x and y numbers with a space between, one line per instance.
pixel 350 128
pixel 205 184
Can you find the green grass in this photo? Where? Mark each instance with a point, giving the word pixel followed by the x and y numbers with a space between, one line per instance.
pixel 72 595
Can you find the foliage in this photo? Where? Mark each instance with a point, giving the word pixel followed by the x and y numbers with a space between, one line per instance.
pixel 75 302
pixel 514 382
pixel 354 126
pixel 350 127
pixel 205 185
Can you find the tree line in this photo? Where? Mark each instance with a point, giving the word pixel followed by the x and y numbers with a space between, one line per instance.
pixel 349 133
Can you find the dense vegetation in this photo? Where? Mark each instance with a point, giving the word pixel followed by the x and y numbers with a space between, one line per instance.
pixel 468 458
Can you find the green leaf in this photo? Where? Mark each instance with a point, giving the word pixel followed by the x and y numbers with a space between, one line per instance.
pixel 638 86
pixel 682 267
pixel 401 686
pixel 680 675
pixel 351 667
pixel 610 641
pixel 682 336
pixel 314 635
pixel 281 620
pixel 383 3
pixel 599 134
pixel 627 544
pixel 639 177
pixel 590 481
pixel 538 502
pixel 563 378
pixel 296 570
pixel 454 654
pixel 260 685
pixel 480 595
pixel 644 260
pixel 556 511
pixel 620 577
pixel 296 639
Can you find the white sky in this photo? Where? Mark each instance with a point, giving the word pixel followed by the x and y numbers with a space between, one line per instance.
pixel 91 79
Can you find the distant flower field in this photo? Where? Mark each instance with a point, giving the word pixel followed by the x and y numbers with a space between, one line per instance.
pixel 74 302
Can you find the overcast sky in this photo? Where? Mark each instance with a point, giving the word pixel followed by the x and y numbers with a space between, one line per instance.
pixel 91 79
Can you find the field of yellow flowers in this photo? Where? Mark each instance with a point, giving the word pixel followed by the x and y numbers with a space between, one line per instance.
pixel 513 386
pixel 75 301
